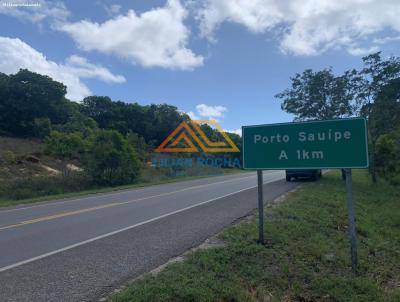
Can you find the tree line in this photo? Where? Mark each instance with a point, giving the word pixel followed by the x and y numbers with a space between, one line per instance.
pixel 112 139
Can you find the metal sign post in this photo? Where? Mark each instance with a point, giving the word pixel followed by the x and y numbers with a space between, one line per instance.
pixel 352 224
pixel 260 207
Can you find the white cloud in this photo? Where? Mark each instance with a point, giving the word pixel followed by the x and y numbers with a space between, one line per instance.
pixel 236 131
pixel 112 9
pixel 35 11
pixel 256 15
pixel 307 27
pixel 193 115
pixel 204 111
pixel 156 38
pixel 211 112
pixel 359 51
pixel 386 40
pixel 16 54
pixel 84 69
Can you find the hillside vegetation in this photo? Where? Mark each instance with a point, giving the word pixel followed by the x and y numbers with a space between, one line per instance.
pixel 29 174
pixel 50 145
pixel 27 171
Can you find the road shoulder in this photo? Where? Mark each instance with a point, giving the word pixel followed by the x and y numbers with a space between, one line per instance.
pixel 307 256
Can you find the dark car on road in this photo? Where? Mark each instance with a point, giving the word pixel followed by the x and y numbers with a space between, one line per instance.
pixel 312 174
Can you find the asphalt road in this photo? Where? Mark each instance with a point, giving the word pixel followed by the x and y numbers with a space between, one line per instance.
pixel 79 249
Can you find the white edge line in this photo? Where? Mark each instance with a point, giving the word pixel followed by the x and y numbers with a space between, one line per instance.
pixel 5 268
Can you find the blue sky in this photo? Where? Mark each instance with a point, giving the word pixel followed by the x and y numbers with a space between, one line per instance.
pixel 222 59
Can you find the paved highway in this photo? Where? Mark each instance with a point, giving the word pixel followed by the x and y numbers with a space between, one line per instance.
pixel 79 249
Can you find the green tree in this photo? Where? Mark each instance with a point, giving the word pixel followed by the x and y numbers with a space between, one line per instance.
pixel 42 127
pixel 139 144
pixel 385 113
pixel 111 160
pixel 153 123
pixel 161 120
pixel 78 122
pixel 387 155
pixel 384 126
pixel 376 74
pixel 26 96
pixel 65 145
pixel 320 95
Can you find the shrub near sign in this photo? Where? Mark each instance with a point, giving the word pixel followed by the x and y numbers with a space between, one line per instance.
pixel 340 143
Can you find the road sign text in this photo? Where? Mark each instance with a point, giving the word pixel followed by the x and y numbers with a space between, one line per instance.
pixel 338 143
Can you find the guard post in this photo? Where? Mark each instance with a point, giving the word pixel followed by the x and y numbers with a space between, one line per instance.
pixel 352 224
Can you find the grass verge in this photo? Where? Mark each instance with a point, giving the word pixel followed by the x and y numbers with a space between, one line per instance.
pixel 149 180
pixel 307 258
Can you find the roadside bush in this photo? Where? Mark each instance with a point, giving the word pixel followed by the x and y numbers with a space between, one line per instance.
pixel 139 144
pixel 387 156
pixel 395 180
pixel 111 160
pixel 65 145
pixel 10 157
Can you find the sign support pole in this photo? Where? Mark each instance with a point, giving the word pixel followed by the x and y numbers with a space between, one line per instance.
pixel 352 224
pixel 260 207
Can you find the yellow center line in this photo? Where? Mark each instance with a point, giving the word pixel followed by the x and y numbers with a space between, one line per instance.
pixel 109 205
pixel 51 217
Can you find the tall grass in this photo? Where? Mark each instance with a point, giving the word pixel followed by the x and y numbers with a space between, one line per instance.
pixel 38 186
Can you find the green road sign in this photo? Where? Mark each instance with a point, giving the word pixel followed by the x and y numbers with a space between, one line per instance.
pixel 340 143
